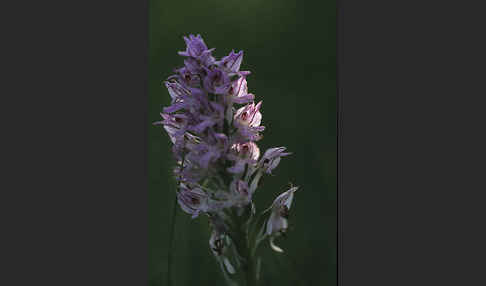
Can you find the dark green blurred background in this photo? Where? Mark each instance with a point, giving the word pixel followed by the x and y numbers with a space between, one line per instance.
pixel 290 48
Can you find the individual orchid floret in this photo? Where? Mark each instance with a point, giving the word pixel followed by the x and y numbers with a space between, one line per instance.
pixel 247 120
pixel 246 153
pixel 271 159
pixel 175 125
pixel 239 91
pixel 197 50
pixel 232 62
pixel 188 78
pixel 219 244
pixel 248 115
pixel 195 46
pixel 277 222
pixel 176 90
pixel 192 201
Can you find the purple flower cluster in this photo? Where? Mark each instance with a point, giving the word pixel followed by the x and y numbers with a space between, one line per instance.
pixel 214 124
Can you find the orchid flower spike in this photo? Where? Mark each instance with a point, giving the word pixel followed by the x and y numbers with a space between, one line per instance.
pixel 213 124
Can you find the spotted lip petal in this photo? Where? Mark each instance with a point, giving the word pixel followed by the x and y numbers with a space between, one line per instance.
pixel 243 154
pixel 188 78
pixel 248 115
pixel 248 150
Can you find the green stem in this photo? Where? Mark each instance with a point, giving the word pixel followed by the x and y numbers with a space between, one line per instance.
pixel 251 271
pixel 256 232
pixel 243 244
pixel 250 261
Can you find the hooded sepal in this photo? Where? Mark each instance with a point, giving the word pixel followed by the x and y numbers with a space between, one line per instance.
pixel 277 223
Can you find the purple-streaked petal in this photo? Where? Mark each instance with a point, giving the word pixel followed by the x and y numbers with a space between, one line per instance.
pixel 233 61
